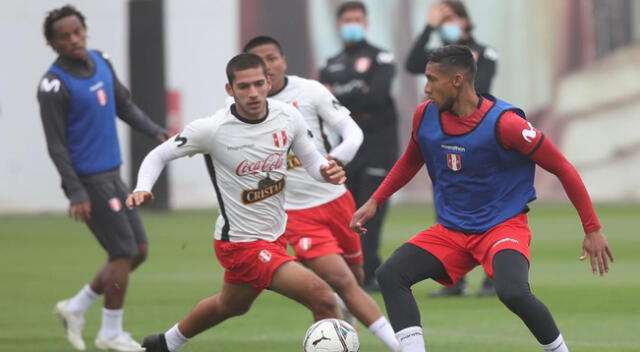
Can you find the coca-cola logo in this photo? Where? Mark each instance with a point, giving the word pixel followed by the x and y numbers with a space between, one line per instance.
pixel 272 162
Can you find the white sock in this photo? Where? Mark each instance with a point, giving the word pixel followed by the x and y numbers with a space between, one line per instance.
pixel 84 299
pixel 175 339
pixel 557 345
pixel 111 323
pixel 411 339
pixel 383 330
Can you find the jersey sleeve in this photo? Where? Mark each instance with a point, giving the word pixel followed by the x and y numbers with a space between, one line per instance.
pixel 302 143
pixel 190 141
pixel 407 166
pixel 53 98
pixel 518 134
pixel 338 118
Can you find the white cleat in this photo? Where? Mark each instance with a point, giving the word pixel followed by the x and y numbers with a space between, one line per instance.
pixel 123 342
pixel 73 325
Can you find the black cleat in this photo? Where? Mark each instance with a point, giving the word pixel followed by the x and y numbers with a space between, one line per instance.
pixel 155 343
pixel 460 289
pixel 371 286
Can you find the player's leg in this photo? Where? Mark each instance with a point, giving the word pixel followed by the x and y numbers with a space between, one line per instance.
pixel 298 283
pixel 511 279
pixel 334 270
pixel 504 254
pixel 408 265
pixel 111 222
pixel 233 300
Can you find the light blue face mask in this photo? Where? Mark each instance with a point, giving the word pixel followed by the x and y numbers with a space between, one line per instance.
pixel 352 32
pixel 450 32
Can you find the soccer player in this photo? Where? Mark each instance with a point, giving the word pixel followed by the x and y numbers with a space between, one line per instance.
pixel 451 20
pixel 319 213
pixel 360 76
pixel 246 145
pixel 481 154
pixel 80 97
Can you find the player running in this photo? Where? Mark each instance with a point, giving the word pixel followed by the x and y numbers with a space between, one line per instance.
pixel 319 213
pixel 246 146
pixel 481 154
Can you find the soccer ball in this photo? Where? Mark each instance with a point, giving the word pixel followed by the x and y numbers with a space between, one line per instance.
pixel 331 335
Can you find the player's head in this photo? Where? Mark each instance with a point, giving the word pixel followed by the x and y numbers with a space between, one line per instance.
pixel 450 69
pixel 352 21
pixel 456 24
pixel 248 85
pixel 66 32
pixel 271 53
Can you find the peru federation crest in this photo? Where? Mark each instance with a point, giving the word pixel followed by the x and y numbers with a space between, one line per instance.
pixel 454 162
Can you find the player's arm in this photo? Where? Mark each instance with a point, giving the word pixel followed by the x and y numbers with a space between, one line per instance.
pixel 338 118
pixel 186 143
pixel 402 172
pixel 518 134
pixel 316 165
pixel 53 98
pixel 130 113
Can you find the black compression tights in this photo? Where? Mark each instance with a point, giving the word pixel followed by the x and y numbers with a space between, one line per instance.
pixel 410 264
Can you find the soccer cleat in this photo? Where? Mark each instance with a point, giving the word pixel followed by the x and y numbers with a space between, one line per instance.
pixel 371 286
pixel 155 343
pixel 73 324
pixel 123 342
pixel 460 289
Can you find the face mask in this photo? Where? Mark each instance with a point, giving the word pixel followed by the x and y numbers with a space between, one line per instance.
pixel 352 32
pixel 450 32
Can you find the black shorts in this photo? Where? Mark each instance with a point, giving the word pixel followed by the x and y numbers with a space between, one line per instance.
pixel 118 229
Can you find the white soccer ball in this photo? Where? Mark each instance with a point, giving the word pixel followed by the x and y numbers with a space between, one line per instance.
pixel 331 335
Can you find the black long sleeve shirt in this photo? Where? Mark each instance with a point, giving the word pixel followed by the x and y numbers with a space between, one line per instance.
pixel 54 100
pixel 486 59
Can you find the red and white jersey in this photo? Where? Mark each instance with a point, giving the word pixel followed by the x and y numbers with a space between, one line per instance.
pixel 321 110
pixel 248 161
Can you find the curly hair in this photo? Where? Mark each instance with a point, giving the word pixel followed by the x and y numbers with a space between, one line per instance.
pixel 56 14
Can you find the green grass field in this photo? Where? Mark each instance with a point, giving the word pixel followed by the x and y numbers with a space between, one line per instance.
pixel 45 258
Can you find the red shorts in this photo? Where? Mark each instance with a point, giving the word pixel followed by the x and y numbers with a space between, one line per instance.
pixel 459 253
pixel 251 262
pixel 324 230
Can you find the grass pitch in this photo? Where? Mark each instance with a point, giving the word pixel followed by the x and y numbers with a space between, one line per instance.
pixel 45 258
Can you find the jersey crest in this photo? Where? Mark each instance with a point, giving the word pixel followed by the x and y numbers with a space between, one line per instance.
pixel 454 162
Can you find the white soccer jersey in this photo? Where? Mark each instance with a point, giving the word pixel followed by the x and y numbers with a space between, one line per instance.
pixel 321 110
pixel 248 163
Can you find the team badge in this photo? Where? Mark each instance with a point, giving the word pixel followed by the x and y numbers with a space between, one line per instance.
pixel 115 204
pixel 295 105
pixel 264 256
pixel 362 64
pixel 102 97
pixel 280 139
pixel 305 243
pixel 454 162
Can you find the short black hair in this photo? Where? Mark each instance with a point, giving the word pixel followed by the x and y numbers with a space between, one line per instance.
pixel 350 5
pixel 59 13
pixel 460 10
pixel 242 62
pixel 454 56
pixel 261 40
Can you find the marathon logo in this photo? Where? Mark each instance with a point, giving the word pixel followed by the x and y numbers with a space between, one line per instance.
pixel 266 188
pixel 293 162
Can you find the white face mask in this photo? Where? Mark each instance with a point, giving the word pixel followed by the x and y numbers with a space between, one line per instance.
pixel 450 32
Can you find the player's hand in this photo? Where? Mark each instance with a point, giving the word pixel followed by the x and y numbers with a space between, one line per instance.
pixel 333 173
pixel 595 246
pixel 80 211
pixel 331 157
pixel 161 138
pixel 360 217
pixel 139 198
pixel 436 14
